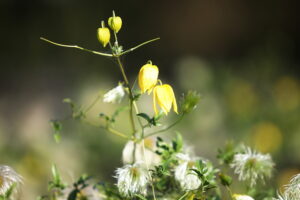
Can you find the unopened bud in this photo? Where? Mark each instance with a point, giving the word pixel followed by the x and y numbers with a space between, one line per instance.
pixel 103 35
pixel 115 23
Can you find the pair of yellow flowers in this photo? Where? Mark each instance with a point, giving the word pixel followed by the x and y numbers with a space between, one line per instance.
pixel 163 94
pixel 103 33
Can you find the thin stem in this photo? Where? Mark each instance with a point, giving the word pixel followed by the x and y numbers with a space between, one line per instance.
pixel 77 47
pixel 148 169
pixel 138 46
pixel 130 95
pixel 166 128
pixel 183 196
pixel 109 129
pixel 92 104
pixel 229 192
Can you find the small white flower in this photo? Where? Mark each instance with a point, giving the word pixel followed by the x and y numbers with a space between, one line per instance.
pixel 242 197
pixel 186 177
pixel 150 158
pixel 132 179
pixel 251 166
pixel 8 177
pixel 115 95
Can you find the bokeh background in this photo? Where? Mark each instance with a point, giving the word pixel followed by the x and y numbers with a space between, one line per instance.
pixel 242 56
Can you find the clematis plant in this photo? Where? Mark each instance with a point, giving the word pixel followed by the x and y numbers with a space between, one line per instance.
pixel 157 168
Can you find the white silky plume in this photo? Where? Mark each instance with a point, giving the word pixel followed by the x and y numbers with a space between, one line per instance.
pixel 251 166
pixel 115 95
pixel 187 178
pixel 132 179
pixel 8 177
pixel 129 155
pixel 292 190
pixel 242 197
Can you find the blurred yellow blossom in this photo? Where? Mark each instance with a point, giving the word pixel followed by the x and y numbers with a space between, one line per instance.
pixel 241 197
pixel 242 98
pixel 148 77
pixel 287 93
pixel 164 96
pixel 267 137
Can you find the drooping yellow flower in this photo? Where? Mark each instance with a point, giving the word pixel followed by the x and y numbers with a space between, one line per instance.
pixel 103 35
pixel 164 96
pixel 115 23
pixel 148 77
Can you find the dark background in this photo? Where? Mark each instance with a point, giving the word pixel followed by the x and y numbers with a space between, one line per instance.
pixel 242 56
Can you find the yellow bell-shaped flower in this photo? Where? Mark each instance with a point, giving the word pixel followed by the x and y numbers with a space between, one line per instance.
pixel 115 23
pixel 148 77
pixel 103 35
pixel 164 96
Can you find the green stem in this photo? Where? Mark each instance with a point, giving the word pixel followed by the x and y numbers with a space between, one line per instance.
pixel 109 129
pixel 183 196
pixel 167 128
pixel 92 104
pixel 131 99
pixel 77 47
pixel 229 192
pixel 138 46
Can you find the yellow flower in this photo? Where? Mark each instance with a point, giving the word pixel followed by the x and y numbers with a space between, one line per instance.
pixel 103 35
pixel 115 23
pixel 164 96
pixel 241 197
pixel 148 77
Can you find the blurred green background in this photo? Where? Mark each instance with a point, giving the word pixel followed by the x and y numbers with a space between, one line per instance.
pixel 242 56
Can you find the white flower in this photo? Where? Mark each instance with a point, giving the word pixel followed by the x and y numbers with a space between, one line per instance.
pixel 132 179
pixel 115 95
pixel 242 197
pixel 8 178
pixel 150 158
pixel 186 177
pixel 251 166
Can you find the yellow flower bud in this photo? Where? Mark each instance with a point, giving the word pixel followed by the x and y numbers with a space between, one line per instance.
pixel 115 23
pixel 148 77
pixel 103 35
pixel 164 96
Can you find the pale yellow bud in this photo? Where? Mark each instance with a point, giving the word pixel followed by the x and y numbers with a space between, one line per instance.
pixel 241 197
pixel 115 23
pixel 164 96
pixel 103 35
pixel 148 77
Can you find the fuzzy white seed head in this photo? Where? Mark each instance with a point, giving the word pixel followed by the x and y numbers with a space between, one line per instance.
pixel 291 190
pixel 8 178
pixel 132 179
pixel 141 154
pixel 251 166
pixel 115 95
pixel 184 174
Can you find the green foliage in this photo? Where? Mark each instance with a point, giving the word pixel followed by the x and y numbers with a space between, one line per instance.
pixel 56 183
pixel 226 155
pixel 8 194
pixel 189 101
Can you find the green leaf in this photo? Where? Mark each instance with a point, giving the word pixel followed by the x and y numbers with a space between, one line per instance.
pixel 140 197
pixel 145 116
